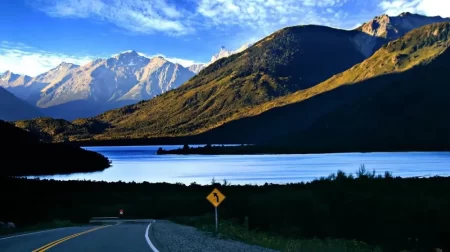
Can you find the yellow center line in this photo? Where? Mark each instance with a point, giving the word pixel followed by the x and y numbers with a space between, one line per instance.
pixel 54 243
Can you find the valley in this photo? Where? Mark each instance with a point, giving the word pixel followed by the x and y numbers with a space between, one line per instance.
pixel 313 132
pixel 298 95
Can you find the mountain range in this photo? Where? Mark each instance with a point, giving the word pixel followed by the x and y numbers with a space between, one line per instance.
pixel 71 91
pixel 291 82
pixel 395 100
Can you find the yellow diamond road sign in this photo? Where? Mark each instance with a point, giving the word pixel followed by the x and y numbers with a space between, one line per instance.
pixel 215 197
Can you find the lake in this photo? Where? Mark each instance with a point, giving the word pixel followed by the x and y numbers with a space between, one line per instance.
pixel 140 163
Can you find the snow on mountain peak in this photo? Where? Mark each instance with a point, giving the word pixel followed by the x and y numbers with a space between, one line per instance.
pixel 128 53
pixel 9 76
pixel 7 73
pixel 196 68
pixel 223 53
pixel 129 58
pixel 65 65
pixel 4 76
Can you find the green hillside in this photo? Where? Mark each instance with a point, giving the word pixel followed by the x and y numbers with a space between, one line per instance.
pixel 289 60
pixel 60 130
pixel 397 99
pixel 416 47
pixel 223 105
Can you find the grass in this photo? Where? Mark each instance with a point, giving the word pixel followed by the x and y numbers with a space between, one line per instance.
pixel 233 231
pixel 38 227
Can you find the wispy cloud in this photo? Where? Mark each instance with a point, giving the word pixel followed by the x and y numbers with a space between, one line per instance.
pixel 426 7
pixel 269 14
pixel 184 17
pixel 141 16
pixel 24 59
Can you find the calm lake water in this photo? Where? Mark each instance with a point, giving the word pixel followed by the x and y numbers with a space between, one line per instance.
pixel 140 163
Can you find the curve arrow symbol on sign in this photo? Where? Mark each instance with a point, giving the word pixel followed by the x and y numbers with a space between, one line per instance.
pixel 217 197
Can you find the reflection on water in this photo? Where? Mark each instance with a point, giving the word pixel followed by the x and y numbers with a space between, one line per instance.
pixel 140 163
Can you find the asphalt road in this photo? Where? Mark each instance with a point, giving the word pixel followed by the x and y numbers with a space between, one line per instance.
pixel 142 235
pixel 126 236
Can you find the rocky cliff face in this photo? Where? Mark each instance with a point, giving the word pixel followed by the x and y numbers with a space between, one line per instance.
pixel 394 27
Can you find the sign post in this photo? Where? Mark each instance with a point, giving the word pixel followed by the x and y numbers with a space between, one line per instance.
pixel 215 198
pixel 217 221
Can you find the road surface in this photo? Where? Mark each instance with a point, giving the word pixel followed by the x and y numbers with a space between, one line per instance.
pixel 142 235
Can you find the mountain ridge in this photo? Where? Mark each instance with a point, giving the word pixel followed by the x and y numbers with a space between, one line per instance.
pixel 97 86
pixel 280 64
pixel 12 108
pixel 269 74
pixel 306 115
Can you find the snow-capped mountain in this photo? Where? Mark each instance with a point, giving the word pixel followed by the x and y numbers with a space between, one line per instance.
pixel 196 68
pixel 19 85
pixel 70 91
pixel 157 77
pixel 223 53
pixel 11 80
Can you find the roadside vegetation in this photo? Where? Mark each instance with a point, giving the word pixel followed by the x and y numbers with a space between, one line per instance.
pixel 229 229
pixel 394 213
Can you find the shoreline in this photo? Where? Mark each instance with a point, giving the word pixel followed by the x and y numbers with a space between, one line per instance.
pixel 269 150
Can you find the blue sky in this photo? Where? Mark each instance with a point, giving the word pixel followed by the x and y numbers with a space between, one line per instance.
pixel 37 35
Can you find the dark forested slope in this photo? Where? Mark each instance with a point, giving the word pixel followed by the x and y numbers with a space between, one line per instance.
pixel 23 154
pixel 289 60
pixel 397 99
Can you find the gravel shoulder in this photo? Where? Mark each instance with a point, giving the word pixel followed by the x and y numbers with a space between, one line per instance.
pixel 178 238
